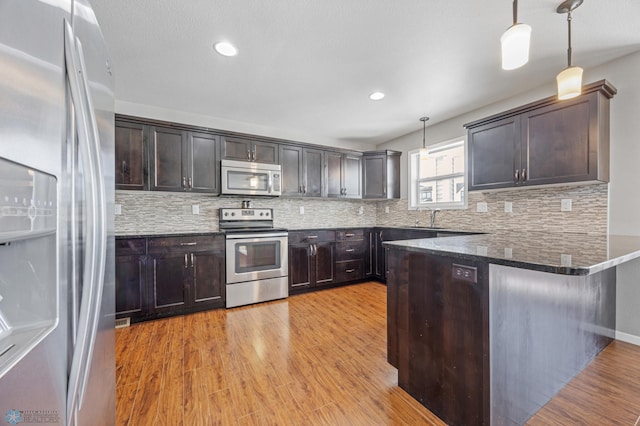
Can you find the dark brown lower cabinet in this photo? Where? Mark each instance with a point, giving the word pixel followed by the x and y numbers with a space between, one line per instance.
pixel 438 335
pixel 175 275
pixel 131 292
pixel 311 265
pixel 186 274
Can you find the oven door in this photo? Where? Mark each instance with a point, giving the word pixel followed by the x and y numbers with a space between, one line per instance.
pixel 252 257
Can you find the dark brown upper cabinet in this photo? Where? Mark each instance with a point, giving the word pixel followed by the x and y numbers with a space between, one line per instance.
pixel 344 175
pixel 131 156
pixel 241 149
pixel 381 174
pixel 184 161
pixel 545 142
pixel 302 171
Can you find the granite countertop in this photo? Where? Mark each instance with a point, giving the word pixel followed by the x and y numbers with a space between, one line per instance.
pixel 570 253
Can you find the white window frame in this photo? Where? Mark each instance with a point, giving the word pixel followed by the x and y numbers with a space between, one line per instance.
pixel 413 195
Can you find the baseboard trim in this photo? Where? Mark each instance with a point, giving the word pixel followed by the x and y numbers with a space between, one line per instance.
pixel 629 338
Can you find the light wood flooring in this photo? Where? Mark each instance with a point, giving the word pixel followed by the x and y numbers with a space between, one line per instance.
pixel 314 359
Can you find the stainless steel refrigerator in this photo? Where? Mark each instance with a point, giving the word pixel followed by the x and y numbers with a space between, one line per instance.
pixel 57 355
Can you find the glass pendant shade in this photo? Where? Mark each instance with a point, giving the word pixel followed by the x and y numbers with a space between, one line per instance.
pixel 515 46
pixel 569 83
pixel 424 153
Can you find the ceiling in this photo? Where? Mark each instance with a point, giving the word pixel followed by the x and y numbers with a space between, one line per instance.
pixel 309 66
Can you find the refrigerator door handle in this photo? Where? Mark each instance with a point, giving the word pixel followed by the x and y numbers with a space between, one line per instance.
pixel 95 254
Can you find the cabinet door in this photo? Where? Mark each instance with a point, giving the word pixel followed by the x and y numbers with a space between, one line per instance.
pixel 313 171
pixel 130 285
pixel 166 154
pixel 334 173
pixel 236 149
pixel 131 156
pixel 494 154
pixel 265 152
pixel 324 263
pixel 374 176
pixel 562 142
pixel 352 176
pixel 168 274
pixel 202 163
pixel 291 163
pixel 207 285
pixel 299 266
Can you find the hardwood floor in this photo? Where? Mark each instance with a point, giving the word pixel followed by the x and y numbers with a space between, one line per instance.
pixel 314 359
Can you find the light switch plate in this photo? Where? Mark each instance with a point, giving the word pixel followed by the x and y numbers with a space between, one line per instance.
pixel 508 207
pixel 301 210
pixel 361 210
pixel 118 209
pixel 386 209
pixel 482 207
pixel 195 209
pixel 565 205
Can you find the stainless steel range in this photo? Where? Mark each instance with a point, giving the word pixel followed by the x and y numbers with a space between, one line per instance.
pixel 256 252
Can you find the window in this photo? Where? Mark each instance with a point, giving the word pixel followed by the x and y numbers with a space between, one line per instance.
pixel 438 180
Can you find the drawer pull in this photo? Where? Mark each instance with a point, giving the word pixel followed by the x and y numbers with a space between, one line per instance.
pixel 188 244
pixel 350 250
pixel 312 237
pixel 349 235
pixel 348 271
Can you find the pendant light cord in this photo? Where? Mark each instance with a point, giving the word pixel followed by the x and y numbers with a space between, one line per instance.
pixel 569 49
pixel 515 12
pixel 424 130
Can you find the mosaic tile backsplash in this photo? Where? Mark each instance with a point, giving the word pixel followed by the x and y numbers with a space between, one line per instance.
pixel 151 213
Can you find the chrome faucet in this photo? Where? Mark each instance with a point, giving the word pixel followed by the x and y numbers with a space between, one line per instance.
pixel 433 212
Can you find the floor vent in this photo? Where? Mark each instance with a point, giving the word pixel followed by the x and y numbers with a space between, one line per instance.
pixel 123 322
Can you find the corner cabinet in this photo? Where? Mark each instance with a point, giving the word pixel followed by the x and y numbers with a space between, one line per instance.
pixel 545 142
pixel 381 174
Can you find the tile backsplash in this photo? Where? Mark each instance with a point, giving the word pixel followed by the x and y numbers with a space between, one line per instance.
pixel 533 209
pixel 149 213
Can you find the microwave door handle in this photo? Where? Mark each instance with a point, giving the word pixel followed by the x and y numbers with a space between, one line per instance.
pixel 270 188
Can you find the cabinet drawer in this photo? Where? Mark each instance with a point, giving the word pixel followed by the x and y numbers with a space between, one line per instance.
pixel 350 250
pixel 185 243
pixel 350 270
pixel 350 234
pixel 131 246
pixel 311 236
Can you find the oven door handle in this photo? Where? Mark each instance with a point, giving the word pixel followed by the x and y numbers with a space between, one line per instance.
pixel 246 236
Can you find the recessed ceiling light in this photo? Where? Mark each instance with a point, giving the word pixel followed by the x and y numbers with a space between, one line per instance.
pixel 225 48
pixel 376 96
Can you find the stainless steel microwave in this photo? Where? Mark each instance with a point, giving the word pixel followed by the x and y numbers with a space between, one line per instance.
pixel 249 178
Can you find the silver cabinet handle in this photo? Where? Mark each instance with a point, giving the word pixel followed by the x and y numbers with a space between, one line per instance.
pixel 192 264
pixel 384 190
pixel 190 183
pixel 184 181
pixel 524 175
pixel 193 243
pixel 311 237
pixel 254 155
pixel 249 154
pixel 517 175
pixel 349 235
pixel 186 262
pixel 124 167
pixel 348 271
pixel 300 189
pixel 304 189
pixel 350 250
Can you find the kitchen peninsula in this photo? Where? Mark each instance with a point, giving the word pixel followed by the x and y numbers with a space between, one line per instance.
pixel 485 329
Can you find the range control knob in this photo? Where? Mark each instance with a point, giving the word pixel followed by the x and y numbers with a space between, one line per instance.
pixel 266 214
pixel 233 213
pixel 261 214
pixel 226 213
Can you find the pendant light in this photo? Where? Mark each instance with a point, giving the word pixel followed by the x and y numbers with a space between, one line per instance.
pixel 423 151
pixel 570 79
pixel 515 43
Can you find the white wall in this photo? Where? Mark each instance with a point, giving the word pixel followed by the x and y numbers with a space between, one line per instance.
pixel 624 187
pixel 157 113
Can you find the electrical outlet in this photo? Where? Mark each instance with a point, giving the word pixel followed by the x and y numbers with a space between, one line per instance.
pixel 361 210
pixel 482 207
pixel 195 209
pixel 508 252
pixel 301 210
pixel 386 209
pixel 565 205
pixel 118 209
pixel 508 207
pixel 565 260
